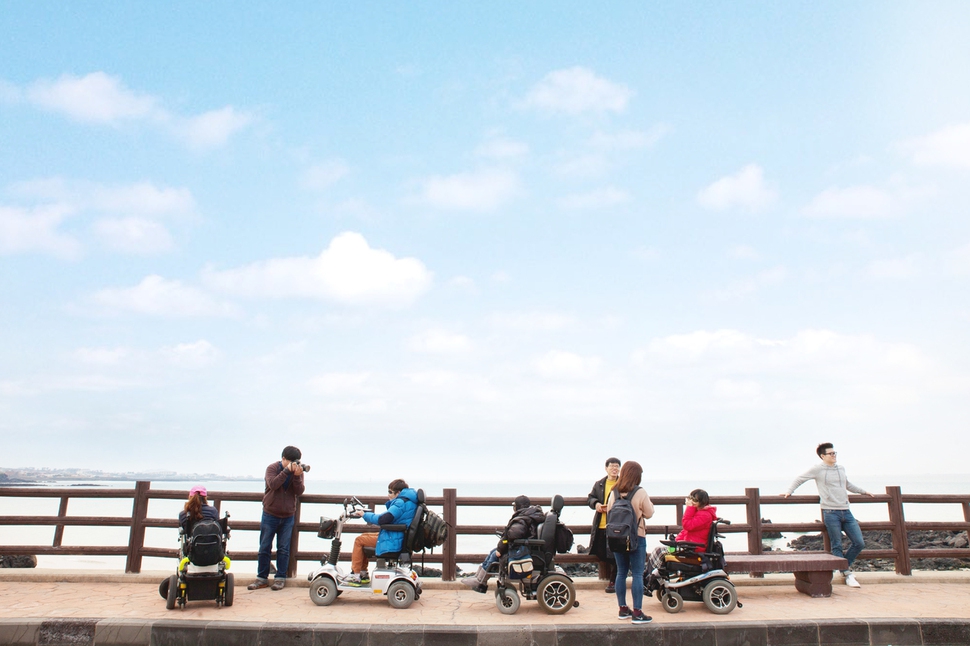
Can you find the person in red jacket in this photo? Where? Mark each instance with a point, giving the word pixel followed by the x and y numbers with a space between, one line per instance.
pixel 699 515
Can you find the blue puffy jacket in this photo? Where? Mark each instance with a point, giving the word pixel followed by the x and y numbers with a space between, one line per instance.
pixel 400 511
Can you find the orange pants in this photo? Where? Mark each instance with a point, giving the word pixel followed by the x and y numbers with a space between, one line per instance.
pixel 358 560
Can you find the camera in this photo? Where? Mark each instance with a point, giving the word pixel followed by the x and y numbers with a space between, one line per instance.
pixel 302 465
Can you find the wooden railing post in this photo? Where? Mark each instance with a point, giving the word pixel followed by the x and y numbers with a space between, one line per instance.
pixel 136 537
pixel 450 510
pixel 753 508
pixel 900 536
pixel 294 542
pixel 753 511
pixel 59 529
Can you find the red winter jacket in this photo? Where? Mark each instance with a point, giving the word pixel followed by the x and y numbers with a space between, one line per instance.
pixel 697 524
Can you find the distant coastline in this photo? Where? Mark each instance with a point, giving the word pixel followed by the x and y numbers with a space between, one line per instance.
pixel 34 476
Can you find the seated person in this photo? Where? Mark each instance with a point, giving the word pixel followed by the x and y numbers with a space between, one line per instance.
pixel 699 515
pixel 400 511
pixel 196 509
pixel 524 524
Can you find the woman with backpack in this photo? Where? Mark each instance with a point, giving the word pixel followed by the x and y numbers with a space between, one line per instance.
pixel 196 508
pixel 626 510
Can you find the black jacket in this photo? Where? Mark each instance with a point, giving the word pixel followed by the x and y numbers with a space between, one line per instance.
pixel 523 524
pixel 597 495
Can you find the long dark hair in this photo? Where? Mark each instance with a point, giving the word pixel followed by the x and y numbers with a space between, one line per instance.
pixel 194 506
pixel 630 474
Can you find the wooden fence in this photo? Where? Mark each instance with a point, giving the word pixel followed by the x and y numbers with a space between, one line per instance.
pixel 450 504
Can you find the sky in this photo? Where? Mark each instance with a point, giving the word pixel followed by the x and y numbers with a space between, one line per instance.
pixel 477 241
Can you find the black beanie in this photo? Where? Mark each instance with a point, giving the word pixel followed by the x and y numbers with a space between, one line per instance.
pixel 522 502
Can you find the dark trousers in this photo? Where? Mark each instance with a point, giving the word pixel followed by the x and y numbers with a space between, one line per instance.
pixel 282 528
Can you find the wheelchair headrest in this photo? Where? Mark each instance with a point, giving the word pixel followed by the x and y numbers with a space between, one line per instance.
pixel 557 503
pixel 420 493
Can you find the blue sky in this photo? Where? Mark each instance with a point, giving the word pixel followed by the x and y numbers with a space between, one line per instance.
pixel 422 240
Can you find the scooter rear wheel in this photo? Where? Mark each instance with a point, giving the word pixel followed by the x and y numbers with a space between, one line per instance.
pixel 400 594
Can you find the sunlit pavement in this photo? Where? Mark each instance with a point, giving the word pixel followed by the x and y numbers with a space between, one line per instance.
pixel 49 594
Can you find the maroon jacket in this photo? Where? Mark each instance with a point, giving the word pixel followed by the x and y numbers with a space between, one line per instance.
pixel 279 498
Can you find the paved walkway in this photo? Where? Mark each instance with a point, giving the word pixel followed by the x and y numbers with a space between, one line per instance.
pixel 42 594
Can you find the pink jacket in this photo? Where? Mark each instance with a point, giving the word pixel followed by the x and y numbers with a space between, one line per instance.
pixel 697 524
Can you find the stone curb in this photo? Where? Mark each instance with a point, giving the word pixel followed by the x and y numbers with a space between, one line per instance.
pixel 164 632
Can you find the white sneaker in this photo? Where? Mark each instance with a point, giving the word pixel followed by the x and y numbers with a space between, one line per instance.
pixel 850 580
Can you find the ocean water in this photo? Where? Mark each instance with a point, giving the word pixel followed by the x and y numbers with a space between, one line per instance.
pixel 248 540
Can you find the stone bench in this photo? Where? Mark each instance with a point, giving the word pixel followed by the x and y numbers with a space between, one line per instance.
pixel 813 571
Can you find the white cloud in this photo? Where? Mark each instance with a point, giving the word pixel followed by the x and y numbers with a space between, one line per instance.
pixel 134 235
pixel 947 147
pixel 958 260
pixel 439 342
pixel 482 190
pixel 743 252
pixel 341 383
pixel 629 139
pixel 322 176
pixel 463 283
pixel 139 198
pixel 347 271
pixel 558 364
pixel 198 354
pixel 104 99
pixel 583 166
pixel 852 202
pixel 214 128
pixel 36 230
pixel 96 97
pixel 531 321
pixel 598 199
pixel 576 90
pixel 499 147
pixel 156 296
pixel 894 268
pixel 746 189
pixel 741 288
pixel 103 356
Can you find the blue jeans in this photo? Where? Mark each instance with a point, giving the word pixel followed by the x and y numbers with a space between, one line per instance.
pixel 842 520
pixel 282 529
pixel 631 562
pixel 492 557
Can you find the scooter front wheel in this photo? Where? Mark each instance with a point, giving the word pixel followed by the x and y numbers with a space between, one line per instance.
pixel 323 591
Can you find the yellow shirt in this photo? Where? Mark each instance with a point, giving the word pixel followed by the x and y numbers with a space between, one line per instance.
pixel 607 488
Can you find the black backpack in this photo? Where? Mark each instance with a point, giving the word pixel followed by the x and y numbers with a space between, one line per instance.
pixel 564 538
pixel 622 524
pixel 205 542
pixel 433 532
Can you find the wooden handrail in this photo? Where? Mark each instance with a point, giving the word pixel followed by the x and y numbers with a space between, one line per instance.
pixel 449 502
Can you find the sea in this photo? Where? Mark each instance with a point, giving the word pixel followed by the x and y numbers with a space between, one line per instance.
pixel 248 540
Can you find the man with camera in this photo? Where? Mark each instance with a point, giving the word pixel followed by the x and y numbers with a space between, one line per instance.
pixel 284 482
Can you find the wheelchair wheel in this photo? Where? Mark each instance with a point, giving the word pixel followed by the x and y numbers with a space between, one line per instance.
pixel 720 597
pixel 230 587
pixel 163 588
pixel 171 598
pixel 556 594
pixel 507 601
pixel 323 591
pixel 400 594
pixel 672 601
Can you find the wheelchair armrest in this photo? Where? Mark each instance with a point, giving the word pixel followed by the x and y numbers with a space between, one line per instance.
pixel 537 542
pixel 690 545
pixel 395 528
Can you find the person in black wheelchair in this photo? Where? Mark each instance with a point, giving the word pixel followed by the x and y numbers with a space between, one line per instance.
pixel 527 565
pixel 201 572
pixel 525 520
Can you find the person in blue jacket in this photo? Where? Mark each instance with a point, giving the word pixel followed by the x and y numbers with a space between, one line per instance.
pixel 400 511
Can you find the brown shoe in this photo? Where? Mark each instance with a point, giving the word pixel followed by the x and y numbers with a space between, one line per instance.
pixel 257 585
pixel 278 584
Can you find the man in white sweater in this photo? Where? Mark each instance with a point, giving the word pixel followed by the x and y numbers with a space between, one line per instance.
pixel 833 488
